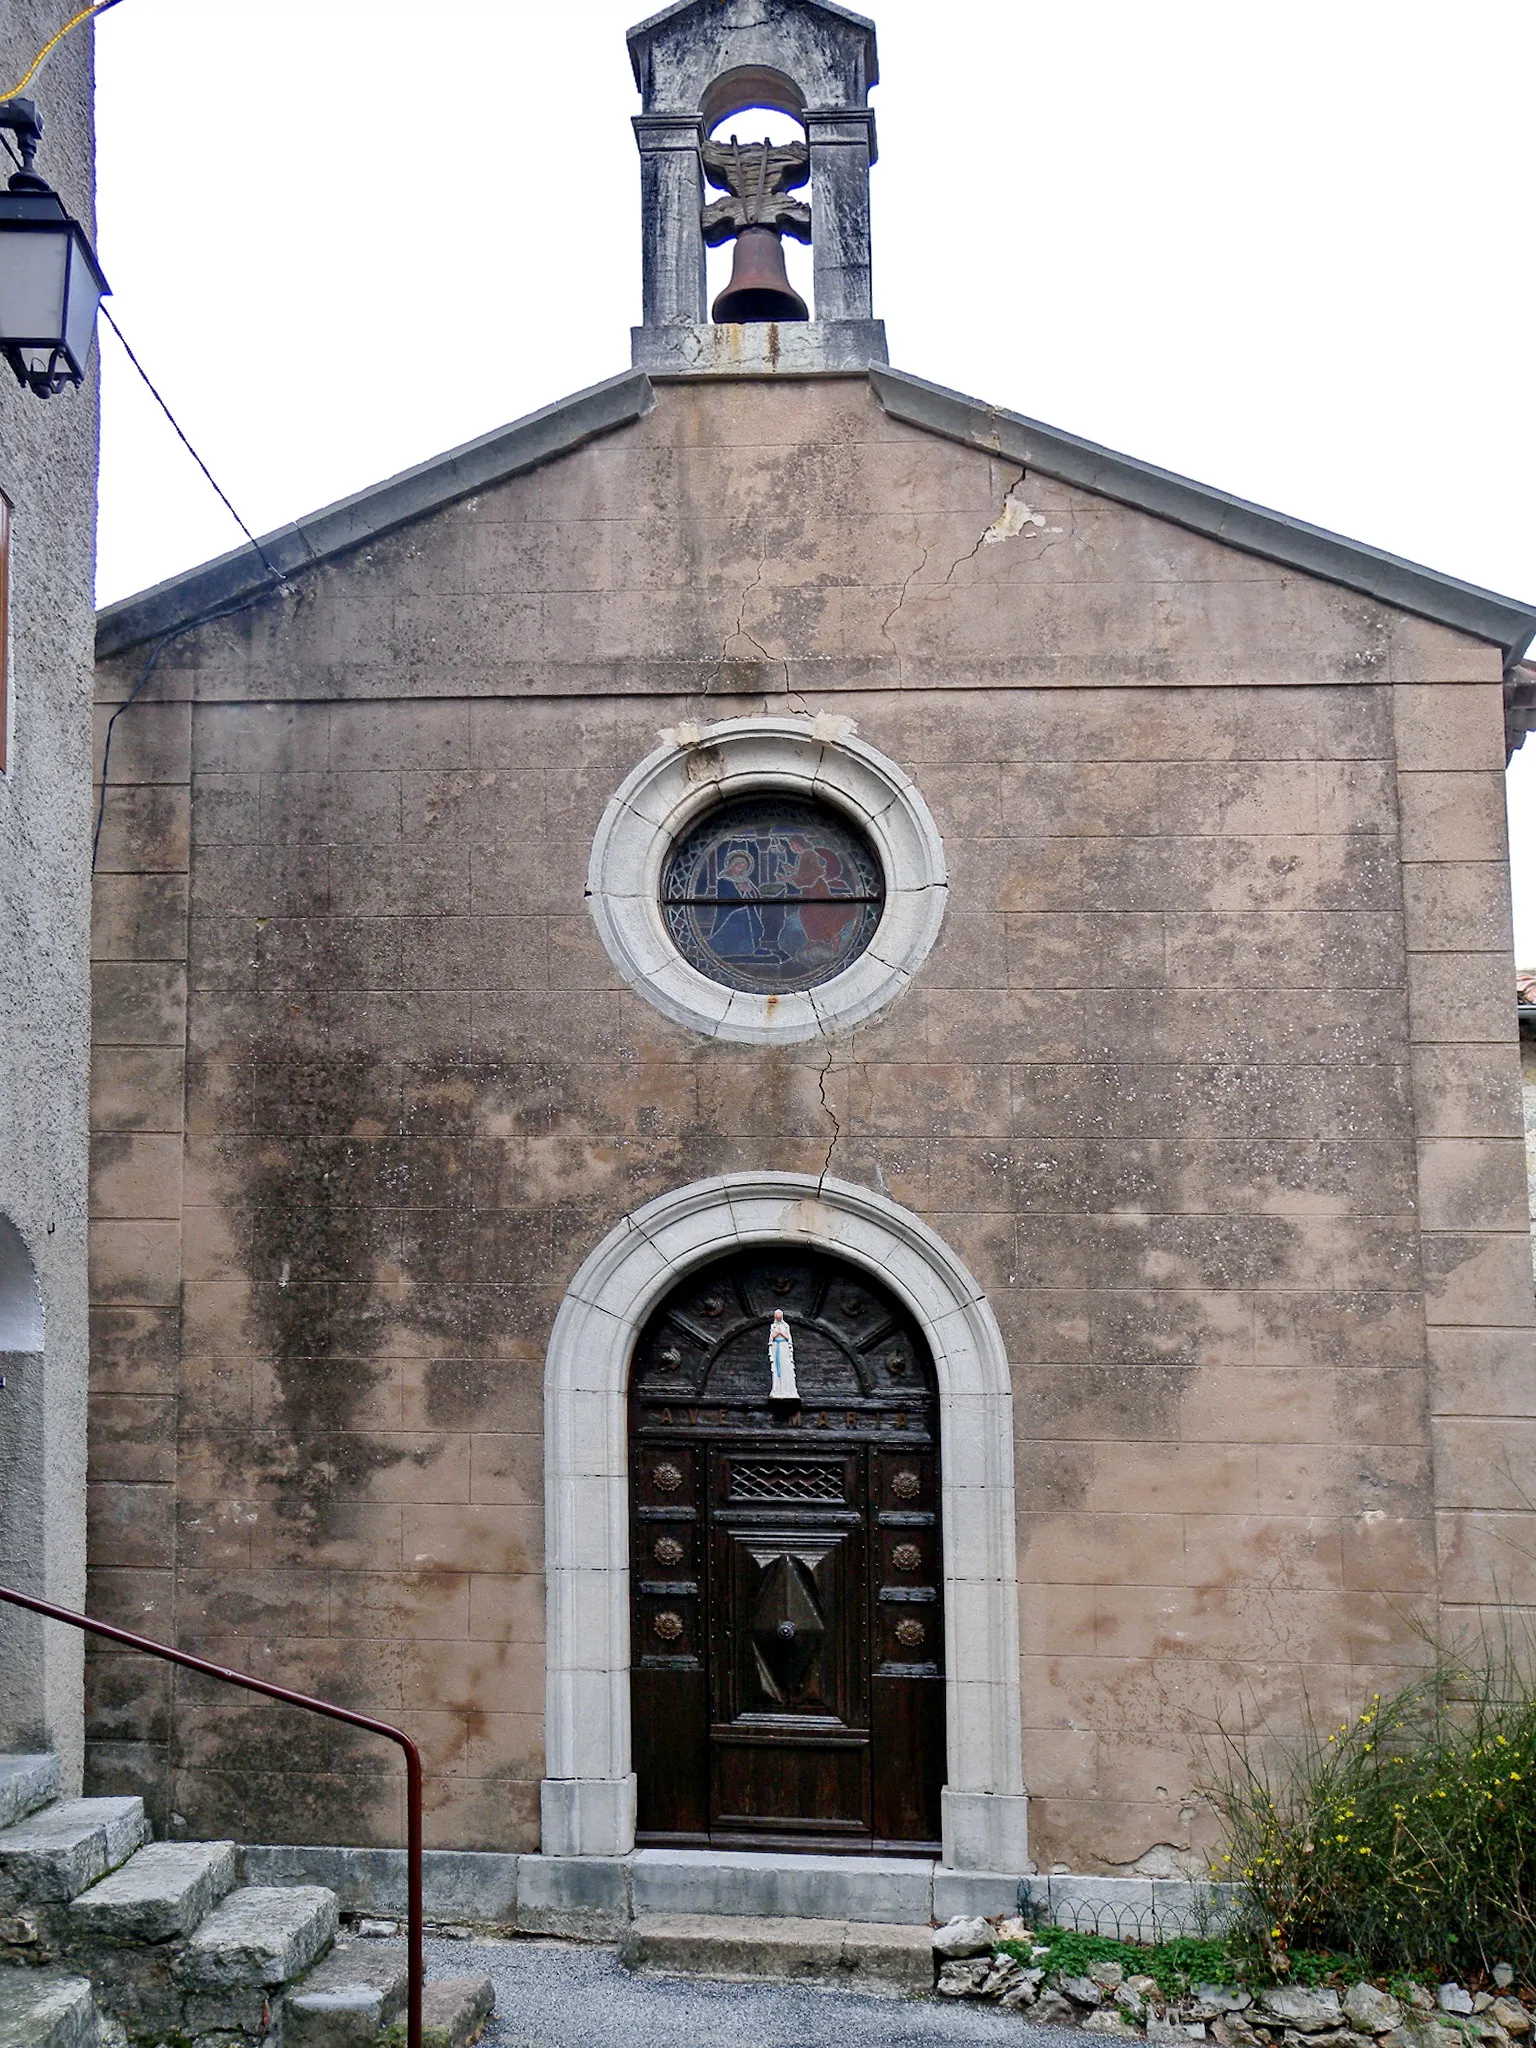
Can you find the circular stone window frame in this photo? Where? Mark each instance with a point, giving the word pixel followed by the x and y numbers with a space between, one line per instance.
pixel 697 768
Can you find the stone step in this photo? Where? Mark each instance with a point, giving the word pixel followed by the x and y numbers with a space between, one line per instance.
pixel 745 1882
pixel 260 1937
pixel 349 1999
pixel 26 1783
pixel 163 1890
pixel 46 2009
pixel 858 1955
pixel 56 1852
pixel 454 2011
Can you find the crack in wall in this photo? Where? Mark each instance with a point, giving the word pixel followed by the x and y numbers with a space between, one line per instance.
pixel 739 632
pixel 1004 527
pixel 832 1118
pixel 912 575
pixel 995 529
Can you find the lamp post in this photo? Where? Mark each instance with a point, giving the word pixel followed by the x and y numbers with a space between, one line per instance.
pixel 50 281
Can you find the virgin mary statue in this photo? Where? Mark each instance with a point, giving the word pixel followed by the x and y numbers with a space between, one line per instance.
pixel 781 1360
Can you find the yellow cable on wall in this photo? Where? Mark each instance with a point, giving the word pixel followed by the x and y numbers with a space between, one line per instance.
pixel 99 7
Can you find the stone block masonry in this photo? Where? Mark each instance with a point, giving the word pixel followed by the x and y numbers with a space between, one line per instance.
pixel 1208 1081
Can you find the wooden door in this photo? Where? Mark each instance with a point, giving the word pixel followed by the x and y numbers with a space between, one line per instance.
pixel 785 1566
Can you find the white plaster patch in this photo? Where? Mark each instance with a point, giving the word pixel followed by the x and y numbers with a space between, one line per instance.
pixel 1014 519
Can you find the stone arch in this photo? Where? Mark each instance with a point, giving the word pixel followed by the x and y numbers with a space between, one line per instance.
pixel 588 1798
pixel 21 1304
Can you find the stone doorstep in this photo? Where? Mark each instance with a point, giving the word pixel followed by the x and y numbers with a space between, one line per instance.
pixel 56 1852
pixel 884 1889
pixel 164 1889
pixel 857 1955
pixel 26 1783
pixel 46 2009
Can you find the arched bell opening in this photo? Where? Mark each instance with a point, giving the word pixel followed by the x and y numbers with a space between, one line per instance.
pixel 755 157
pixel 787 1610
pixel 753 89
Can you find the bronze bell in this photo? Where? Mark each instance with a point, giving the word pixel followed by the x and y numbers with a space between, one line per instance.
pixel 759 288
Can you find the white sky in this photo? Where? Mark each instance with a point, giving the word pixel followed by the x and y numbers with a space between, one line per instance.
pixel 1288 249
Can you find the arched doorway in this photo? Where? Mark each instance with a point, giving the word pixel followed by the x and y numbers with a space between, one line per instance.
pixel 787 1619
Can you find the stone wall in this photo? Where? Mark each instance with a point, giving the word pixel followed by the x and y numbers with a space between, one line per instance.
pixel 48 473
pixel 1210 1080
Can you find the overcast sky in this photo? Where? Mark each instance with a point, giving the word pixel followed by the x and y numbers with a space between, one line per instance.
pixel 1287 249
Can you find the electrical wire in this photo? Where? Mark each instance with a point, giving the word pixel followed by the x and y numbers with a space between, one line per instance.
pixel 227 611
pixel 267 562
pixel 279 582
pixel 99 7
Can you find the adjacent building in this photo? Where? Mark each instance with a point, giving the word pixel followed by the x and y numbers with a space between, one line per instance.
pixel 47 554
pixel 808 1125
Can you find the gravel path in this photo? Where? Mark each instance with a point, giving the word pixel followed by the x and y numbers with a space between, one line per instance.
pixel 563 1994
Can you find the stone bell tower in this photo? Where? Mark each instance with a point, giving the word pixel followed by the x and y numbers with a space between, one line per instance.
pixel 698 63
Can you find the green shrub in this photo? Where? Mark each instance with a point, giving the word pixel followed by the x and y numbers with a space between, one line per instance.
pixel 1405 1837
pixel 1173 1965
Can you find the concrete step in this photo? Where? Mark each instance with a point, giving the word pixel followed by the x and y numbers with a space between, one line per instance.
pixel 454 2011
pixel 349 1999
pixel 26 1783
pixel 56 1852
pixel 858 1955
pixel 885 1889
pixel 162 1890
pixel 260 1937
pixel 46 2009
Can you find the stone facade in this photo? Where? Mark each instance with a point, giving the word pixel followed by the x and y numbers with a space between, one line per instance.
pixel 1209 1081
pixel 48 475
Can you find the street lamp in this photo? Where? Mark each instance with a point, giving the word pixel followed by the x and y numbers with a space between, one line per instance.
pixel 50 281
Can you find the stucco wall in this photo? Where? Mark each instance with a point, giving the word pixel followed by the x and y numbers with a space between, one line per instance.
pixel 1528 1097
pixel 1210 1080
pixel 48 472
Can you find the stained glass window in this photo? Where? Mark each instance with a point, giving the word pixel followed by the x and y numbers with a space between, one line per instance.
pixel 770 894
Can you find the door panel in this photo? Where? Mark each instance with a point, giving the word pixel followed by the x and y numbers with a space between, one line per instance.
pixel 669 1692
pixel 782 1787
pixel 786 1576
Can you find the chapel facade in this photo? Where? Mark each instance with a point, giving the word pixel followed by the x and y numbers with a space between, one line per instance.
pixel 808 1123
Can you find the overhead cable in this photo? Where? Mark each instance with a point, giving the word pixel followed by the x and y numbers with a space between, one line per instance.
pixel 99 7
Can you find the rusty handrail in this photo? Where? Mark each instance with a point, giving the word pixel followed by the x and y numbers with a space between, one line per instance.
pixel 293 1699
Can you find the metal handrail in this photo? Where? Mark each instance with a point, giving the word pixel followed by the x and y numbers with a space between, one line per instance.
pixel 293 1699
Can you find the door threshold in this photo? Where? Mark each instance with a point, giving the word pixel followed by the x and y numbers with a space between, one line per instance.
pixel 796 1884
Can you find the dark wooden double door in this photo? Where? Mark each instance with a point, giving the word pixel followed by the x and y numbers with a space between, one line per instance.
pixel 786 1577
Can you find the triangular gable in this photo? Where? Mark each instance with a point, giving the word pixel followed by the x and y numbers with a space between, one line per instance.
pixel 557 429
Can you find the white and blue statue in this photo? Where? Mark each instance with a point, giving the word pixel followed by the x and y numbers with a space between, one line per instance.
pixel 781 1359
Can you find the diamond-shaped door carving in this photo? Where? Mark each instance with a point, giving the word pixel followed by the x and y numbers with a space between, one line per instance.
pixel 788 1627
